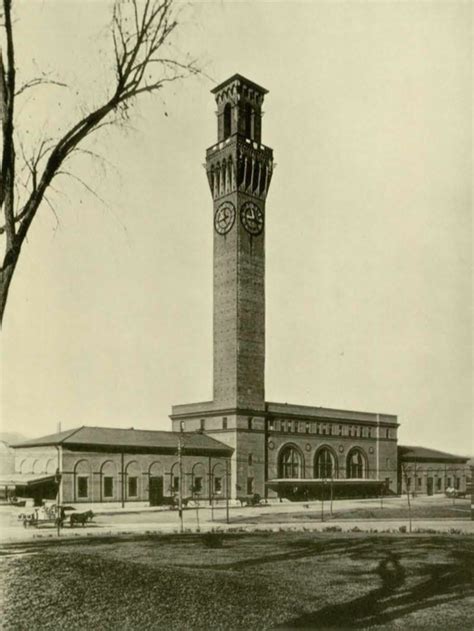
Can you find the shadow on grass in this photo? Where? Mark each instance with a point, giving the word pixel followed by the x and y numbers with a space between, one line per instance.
pixel 436 584
pixel 302 551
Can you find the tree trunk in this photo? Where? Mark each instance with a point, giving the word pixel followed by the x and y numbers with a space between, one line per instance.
pixel 6 274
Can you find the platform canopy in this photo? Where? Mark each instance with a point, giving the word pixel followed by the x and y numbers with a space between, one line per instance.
pixel 303 488
pixel 13 480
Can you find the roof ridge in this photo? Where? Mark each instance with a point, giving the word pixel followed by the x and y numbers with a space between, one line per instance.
pixel 73 431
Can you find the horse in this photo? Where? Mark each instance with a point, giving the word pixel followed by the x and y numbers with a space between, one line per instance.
pixel 81 518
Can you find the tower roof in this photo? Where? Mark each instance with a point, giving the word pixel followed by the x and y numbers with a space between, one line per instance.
pixel 241 78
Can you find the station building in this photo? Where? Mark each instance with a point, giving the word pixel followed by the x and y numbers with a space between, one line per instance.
pixel 425 471
pixel 238 444
pixel 100 464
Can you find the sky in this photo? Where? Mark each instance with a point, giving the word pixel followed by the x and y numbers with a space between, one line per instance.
pixel 368 219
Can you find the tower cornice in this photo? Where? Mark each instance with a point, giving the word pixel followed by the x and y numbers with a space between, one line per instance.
pixel 239 80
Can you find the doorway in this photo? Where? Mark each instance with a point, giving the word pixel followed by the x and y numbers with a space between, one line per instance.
pixel 156 490
pixel 429 486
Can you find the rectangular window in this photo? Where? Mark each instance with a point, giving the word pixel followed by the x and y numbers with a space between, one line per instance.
pixel 388 433
pixel 132 486
pixel 448 482
pixel 250 422
pixel 197 487
pixel 458 483
pixel 224 422
pixel 307 428
pixel 438 484
pixel 271 425
pixel 369 432
pixel 250 460
pixel 82 487
pixel 330 430
pixel 249 486
pixel 323 430
pixel 340 430
pixel 203 424
pixel 350 431
pixel 175 487
pixel 419 482
pixel 108 486
pixel 217 485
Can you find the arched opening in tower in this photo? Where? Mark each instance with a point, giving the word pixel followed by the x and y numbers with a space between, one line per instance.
pixel 248 120
pixel 227 120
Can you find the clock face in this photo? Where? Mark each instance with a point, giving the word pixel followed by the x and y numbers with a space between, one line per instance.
pixel 252 218
pixel 224 218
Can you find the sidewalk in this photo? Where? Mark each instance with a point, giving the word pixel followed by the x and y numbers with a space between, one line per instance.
pixel 115 520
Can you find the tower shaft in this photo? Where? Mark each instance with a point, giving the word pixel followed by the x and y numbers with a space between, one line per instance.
pixel 239 170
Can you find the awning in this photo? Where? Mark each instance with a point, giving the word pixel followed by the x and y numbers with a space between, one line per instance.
pixel 319 483
pixel 26 479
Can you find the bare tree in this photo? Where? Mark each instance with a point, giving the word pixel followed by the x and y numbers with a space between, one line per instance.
pixel 140 31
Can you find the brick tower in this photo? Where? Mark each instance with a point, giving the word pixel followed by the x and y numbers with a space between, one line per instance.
pixel 239 170
pixel 278 448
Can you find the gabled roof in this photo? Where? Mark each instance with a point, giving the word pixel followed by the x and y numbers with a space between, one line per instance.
pixel 128 439
pixel 410 453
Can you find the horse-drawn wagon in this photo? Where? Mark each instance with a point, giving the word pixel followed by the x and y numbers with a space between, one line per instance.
pixel 46 515
pixel 54 515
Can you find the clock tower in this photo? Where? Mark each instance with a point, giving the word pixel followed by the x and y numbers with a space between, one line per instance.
pixel 239 170
pixel 279 449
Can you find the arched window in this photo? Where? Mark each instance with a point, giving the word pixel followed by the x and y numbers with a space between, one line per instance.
pixel 109 486
pixel 290 463
pixel 227 120
pixel 51 465
pixel 82 473
pixel 133 475
pixel 211 180
pixel 248 120
pixel 325 464
pixel 223 177
pixel 218 479
pixel 356 464
pixel 230 175
pixel 198 479
pixel 217 180
pixel 174 479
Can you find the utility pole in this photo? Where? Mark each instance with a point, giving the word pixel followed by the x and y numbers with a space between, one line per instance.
pixel 322 501
pixel 227 490
pixel 180 486
pixel 332 491
pixel 59 496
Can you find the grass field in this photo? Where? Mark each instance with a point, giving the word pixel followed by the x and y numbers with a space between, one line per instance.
pixel 459 511
pixel 254 581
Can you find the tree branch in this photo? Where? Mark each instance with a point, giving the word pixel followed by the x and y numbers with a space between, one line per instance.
pixel 39 81
pixel 139 68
